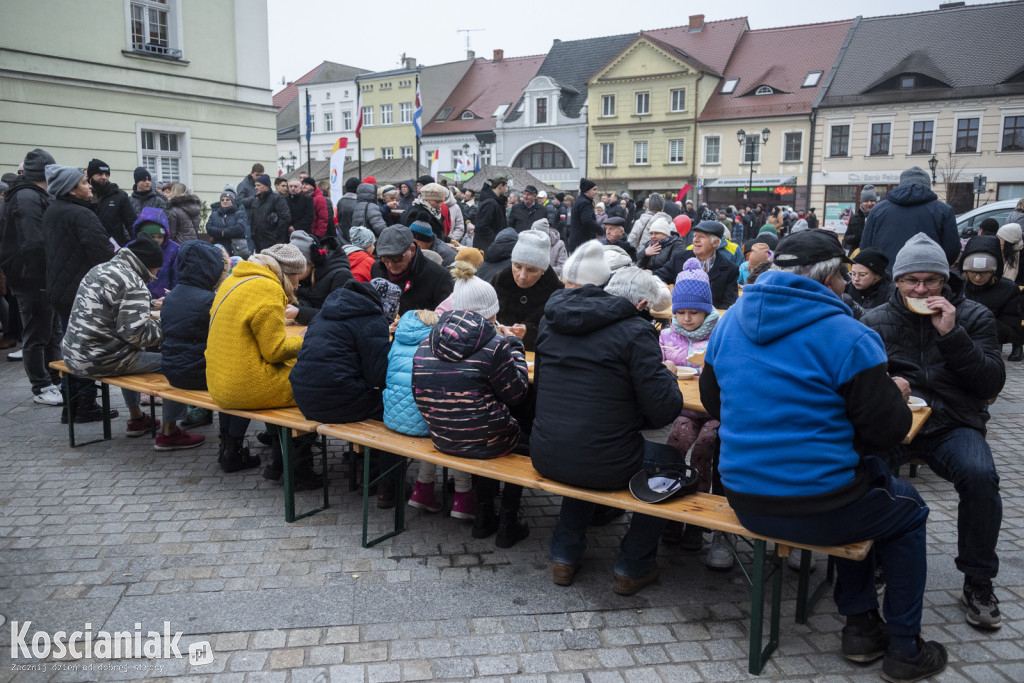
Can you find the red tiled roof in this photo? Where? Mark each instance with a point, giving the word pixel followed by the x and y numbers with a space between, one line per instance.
pixel 780 58
pixel 485 86
pixel 711 46
pixel 284 97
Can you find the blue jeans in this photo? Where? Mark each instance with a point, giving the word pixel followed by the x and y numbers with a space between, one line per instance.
pixel 894 515
pixel 639 548
pixel 962 456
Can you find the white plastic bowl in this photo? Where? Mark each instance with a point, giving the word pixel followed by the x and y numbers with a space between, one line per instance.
pixel 916 403
pixel 686 373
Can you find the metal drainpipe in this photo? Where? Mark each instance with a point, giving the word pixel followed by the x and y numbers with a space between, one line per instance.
pixel 693 152
pixel 810 165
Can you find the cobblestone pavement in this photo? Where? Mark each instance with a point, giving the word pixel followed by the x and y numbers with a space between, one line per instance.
pixel 116 534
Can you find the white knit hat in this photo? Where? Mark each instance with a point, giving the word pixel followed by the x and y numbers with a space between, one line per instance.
pixel 533 248
pixel 587 265
pixel 662 225
pixel 1010 232
pixel 471 293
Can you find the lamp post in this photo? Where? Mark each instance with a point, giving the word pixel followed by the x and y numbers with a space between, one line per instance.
pixel 932 164
pixel 741 136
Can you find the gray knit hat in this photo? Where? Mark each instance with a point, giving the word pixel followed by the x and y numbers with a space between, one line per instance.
pixel 61 179
pixel 920 255
pixel 361 237
pixel 35 164
pixel 533 248
pixel 655 203
pixel 868 194
pixel 288 257
pixel 915 175
pixel 587 265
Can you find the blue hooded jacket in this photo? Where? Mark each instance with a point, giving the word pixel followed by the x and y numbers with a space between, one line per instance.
pixel 185 315
pixel 400 411
pixel 342 365
pixel 167 276
pixel 784 358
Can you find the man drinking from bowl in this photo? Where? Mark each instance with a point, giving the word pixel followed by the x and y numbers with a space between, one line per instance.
pixel 947 347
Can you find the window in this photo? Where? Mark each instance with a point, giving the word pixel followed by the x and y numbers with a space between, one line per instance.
pixel 312 120
pixel 811 80
pixel 643 103
pixel 907 81
pixel 366 87
pixel 162 155
pixel 640 152
pixel 542 155
pixel 542 110
pixel 346 120
pixel 405 84
pixel 839 146
pixel 607 153
pixel 792 146
pixel 880 136
pixel 405 112
pixel 153 26
pixel 729 86
pixel 368 116
pixel 752 149
pixel 385 86
pixel 485 156
pixel 328 122
pixel 387 152
pixel 675 152
pixel 405 152
pixel 444 114
pixel 764 90
pixel 467 115
pixel 608 105
pixel 678 99
pixel 386 118
pixel 921 139
pixel 1013 134
pixel 967 135
pixel 713 150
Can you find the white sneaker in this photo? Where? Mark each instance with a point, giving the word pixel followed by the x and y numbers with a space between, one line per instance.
pixel 720 553
pixel 794 559
pixel 50 396
pixel 14 355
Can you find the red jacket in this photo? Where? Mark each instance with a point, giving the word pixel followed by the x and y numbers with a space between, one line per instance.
pixel 361 263
pixel 319 213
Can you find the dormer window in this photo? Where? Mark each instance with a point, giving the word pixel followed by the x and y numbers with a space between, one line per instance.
pixel 764 90
pixel 908 81
pixel 444 114
pixel 812 79
pixel 467 115
pixel 729 86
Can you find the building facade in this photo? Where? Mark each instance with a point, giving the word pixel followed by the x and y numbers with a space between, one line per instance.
pixel 181 87
pixel 332 111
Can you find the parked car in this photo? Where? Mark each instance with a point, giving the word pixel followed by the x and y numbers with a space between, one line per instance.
pixel 967 223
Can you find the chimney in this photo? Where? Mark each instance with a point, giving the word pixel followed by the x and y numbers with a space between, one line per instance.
pixel 410 62
pixel 499 55
pixel 470 54
pixel 696 23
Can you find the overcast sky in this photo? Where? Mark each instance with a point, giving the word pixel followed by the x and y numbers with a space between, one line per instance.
pixel 373 36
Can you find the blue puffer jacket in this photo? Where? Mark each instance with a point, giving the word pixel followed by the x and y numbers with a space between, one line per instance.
pixel 343 363
pixel 185 316
pixel 906 211
pixel 227 224
pixel 400 411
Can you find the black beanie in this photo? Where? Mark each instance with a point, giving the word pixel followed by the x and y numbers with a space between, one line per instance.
pixel 872 259
pixel 559 196
pixel 351 184
pixel 97 166
pixel 586 185
pixel 425 179
pixel 142 174
pixel 148 251
pixel 309 180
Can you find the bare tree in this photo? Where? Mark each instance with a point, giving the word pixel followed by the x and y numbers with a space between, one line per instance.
pixel 949 172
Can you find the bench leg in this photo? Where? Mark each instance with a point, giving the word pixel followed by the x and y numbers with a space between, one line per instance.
pixel 805 605
pixel 400 467
pixel 284 434
pixel 763 569
pixel 71 407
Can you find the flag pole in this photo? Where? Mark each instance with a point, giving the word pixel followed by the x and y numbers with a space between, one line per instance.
pixel 418 104
pixel 309 119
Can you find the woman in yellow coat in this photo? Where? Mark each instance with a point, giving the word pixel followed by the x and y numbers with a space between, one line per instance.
pixel 248 355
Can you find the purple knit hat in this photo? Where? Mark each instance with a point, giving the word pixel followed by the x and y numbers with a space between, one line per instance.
pixel 693 290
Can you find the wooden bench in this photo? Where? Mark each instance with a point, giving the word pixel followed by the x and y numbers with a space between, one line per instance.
pixel 701 509
pixel 288 421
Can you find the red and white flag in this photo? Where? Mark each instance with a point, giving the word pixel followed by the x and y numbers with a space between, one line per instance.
pixel 359 112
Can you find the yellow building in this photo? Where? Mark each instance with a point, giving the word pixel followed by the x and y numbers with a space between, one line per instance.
pixel 642 106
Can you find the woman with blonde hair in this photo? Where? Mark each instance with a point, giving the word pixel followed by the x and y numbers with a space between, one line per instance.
pixel 183 211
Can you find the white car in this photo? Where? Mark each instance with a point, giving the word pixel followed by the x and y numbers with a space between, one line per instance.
pixel 967 223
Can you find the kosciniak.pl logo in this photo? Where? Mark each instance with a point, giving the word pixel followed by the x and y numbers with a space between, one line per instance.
pixel 89 644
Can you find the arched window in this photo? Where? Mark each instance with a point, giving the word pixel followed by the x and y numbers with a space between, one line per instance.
pixel 542 155
pixel 764 90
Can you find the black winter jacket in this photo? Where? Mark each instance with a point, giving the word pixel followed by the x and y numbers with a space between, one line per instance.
pixel 1000 295
pixel 346 209
pixel 490 217
pixel 723 275
pixel 874 296
pixel 75 242
pixel 225 225
pixel 342 366
pixel 246 193
pixel 854 229
pixel 333 274
pixel 596 356
pixel 669 246
pixel 522 217
pixel 583 225
pixel 141 200
pixel 517 305
pixel 183 217
pixel 116 213
pixel 499 256
pixel 366 211
pixel 185 315
pixel 425 286
pixel 270 220
pixel 956 374
pixel 22 244
pixel 302 211
pixel 419 212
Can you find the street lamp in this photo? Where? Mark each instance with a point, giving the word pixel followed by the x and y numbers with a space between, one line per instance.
pixel 932 164
pixel 741 137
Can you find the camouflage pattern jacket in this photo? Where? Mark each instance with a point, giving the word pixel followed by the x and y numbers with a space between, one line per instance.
pixel 110 323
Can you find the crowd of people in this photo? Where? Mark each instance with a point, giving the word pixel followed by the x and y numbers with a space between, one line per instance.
pixel 421 300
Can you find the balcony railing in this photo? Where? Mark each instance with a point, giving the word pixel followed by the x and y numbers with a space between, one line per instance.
pixel 159 50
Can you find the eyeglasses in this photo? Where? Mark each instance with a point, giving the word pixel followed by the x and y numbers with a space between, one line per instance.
pixel 860 276
pixel 930 283
pixel 394 259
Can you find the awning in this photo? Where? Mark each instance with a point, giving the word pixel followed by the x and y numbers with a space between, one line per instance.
pixel 745 180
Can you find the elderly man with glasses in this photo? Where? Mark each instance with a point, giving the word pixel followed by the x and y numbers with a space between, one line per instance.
pixel 947 347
